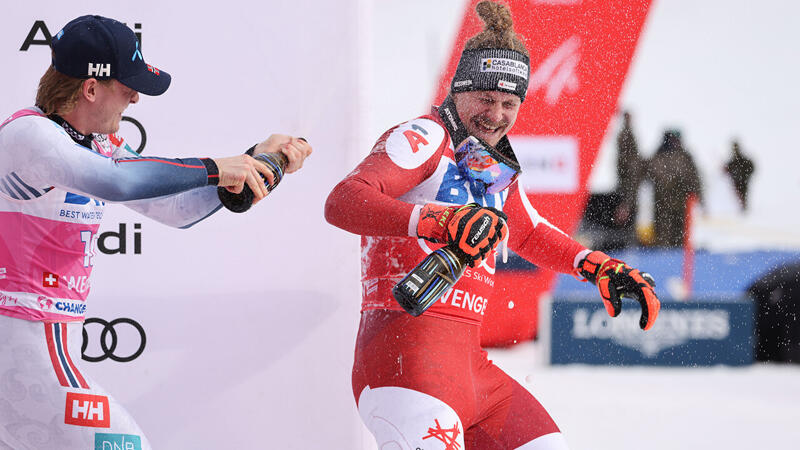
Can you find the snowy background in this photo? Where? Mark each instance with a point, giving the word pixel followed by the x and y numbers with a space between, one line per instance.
pixel 718 70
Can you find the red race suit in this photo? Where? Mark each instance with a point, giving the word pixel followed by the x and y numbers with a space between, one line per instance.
pixel 425 382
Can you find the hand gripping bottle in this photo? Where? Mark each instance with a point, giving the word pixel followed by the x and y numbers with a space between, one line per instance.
pixel 424 285
pixel 241 202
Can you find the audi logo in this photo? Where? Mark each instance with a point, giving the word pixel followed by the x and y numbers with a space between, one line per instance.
pixel 109 345
pixel 142 133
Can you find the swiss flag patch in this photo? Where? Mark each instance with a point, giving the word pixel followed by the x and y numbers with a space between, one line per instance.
pixel 49 279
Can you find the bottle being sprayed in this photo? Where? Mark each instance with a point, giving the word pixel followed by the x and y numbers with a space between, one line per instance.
pixel 424 285
pixel 431 278
pixel 241 202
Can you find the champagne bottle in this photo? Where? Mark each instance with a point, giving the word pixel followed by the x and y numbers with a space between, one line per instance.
pixel 426 283
pixel 241 202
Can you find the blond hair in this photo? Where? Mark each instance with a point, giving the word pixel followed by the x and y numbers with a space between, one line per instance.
pixel 58 93
pixel 498 30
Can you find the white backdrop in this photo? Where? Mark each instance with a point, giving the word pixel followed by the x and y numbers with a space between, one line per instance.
pixel 250 319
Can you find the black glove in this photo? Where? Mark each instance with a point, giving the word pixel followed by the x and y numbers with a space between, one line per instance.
pixel 471 230
pixel 615 280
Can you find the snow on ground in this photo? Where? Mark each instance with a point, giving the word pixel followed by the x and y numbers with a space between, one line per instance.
pixel 619 408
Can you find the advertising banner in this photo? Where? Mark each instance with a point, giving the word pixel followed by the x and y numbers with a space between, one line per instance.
pixel 697 333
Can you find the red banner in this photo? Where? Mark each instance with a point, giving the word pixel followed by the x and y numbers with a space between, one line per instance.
pixel 580 52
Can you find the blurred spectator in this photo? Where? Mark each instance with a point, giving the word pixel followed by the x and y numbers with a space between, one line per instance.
pixel 599 229
pixel 675 178
pixel 609 222
pixel 777 297
pixel 740 168
pixel 629 176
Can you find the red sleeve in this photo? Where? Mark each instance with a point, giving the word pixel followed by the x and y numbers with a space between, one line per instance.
pixel 365 202
pixel 535 239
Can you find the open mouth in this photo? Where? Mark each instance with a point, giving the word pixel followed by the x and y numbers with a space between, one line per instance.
pixel 486 128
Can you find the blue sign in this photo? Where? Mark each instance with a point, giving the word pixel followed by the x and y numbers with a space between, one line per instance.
pixel 114 441
pixel 688 333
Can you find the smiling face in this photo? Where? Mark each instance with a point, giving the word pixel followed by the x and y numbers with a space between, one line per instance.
pixel 487 115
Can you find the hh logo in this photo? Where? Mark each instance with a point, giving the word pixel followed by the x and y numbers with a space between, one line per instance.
pixel 99 70
pixel 113 441
pixel 87 410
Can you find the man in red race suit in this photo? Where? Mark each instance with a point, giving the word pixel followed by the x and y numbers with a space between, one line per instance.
pixel 424 382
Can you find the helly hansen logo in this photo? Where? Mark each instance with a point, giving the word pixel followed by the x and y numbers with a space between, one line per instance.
pixel 99 70
pixel 87 410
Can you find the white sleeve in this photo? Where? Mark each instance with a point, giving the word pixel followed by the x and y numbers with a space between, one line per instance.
pixel 41 153
pixel 180 210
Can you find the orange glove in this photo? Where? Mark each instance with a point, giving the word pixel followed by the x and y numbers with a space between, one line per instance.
pixel 471 230
pixel 615 280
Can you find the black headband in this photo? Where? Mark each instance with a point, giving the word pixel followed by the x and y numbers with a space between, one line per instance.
pixel 492 69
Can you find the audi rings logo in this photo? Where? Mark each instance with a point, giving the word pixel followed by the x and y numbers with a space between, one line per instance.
pixel 121 340
pixel 139 128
